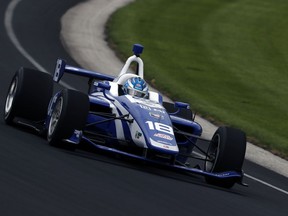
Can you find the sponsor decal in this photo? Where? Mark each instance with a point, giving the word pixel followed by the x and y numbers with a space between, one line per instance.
pixel 144 107
pixel 147 102
pixel 159 110
pixel 223 174
pixel 138 135
pixel 165 146
pixel 163 136
pixel 164 142
pixel 156 115
pixel 151 108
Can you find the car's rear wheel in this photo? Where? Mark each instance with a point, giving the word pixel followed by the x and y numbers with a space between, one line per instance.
pixel 28 95
pixel 226 152
pixel 69 113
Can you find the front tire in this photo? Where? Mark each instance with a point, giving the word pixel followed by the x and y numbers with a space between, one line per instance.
pixel 28 95
pixel 226 153
pixel 69 113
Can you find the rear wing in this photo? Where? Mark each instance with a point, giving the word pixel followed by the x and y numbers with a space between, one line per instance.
pixel 62 67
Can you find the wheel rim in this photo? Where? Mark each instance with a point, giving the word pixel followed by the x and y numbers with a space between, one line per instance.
pixel 10 97
pixel 55 116
pixel 212 154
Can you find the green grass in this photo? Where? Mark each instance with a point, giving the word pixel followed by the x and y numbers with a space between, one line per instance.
pixel 227 58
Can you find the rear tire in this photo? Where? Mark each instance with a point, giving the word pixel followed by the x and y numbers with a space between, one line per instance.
pixel 28 95
pixel 69 113
pixel 227 151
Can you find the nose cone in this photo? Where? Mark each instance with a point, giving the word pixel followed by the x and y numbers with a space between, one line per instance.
pixel 164 143
pixel 156 126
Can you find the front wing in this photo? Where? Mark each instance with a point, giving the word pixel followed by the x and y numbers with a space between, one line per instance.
pixel 238 176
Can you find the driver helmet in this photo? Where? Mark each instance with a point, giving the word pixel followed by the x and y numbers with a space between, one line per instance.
pixel 136 86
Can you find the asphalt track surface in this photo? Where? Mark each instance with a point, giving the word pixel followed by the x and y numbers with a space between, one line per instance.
pixel 36 179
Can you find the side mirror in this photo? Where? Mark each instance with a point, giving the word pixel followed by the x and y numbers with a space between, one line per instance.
pixel 102 85
pixel 181 105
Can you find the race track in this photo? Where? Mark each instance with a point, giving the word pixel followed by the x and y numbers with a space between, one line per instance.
pixel 37 179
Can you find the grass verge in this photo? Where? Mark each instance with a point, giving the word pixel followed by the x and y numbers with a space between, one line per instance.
pixel 228 59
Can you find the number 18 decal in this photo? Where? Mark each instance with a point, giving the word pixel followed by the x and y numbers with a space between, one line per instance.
pixel 160 127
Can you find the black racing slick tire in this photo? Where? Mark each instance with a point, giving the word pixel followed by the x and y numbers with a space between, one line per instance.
pixel 69 113
pixel 28 95
pixel 225 153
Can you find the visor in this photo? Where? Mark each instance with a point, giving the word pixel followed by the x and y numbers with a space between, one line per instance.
pixel 137 93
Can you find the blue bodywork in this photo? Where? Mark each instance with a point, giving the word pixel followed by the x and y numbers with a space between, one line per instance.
pixel 140 128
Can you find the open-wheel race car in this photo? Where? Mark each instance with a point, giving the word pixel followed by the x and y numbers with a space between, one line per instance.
pixel 121 115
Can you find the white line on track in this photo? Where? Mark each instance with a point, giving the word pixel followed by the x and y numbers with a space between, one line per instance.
pixel 251 177
pixel 9 29
pixel 267 184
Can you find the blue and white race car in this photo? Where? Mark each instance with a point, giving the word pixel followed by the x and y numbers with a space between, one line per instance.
pixel 121 115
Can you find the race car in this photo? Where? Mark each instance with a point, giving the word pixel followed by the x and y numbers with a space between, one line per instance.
pixel 121 115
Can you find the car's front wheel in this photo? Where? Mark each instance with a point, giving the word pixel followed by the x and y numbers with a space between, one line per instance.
pixel 226 152
pixel 69 113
